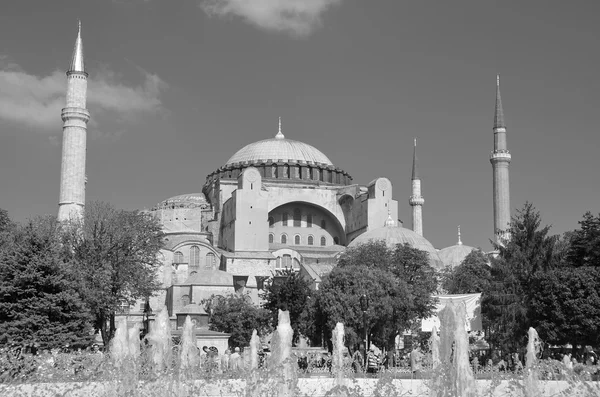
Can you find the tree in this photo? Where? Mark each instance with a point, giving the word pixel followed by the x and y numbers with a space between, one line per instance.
pixel 565 305
pixel 289 291
pixel 585 242
pixel 529 250
pixel 38 299
pixel 398 283
pixel 114 255
pixel 236 315
pixel 472 276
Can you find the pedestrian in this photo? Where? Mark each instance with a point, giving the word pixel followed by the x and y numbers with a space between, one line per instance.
pixel 372 361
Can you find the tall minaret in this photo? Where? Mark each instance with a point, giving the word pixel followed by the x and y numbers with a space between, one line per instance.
pixel 500 160
pixel 75 117
pixel 416 200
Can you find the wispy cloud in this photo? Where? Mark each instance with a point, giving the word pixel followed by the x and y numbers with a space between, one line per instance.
pixel 35 101
pixel 296 17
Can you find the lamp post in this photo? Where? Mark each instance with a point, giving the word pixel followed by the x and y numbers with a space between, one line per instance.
pixel 364 306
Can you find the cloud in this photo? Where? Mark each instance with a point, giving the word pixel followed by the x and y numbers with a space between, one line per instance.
pixel 295 17
pixel 35 102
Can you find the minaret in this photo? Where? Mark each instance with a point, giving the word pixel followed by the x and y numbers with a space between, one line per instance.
pixel 75 117
pixel 416 200
pixel 500 160
pixel 459 240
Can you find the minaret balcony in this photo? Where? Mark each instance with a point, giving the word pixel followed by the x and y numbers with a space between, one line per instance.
pixel 500 155
pixel 416 200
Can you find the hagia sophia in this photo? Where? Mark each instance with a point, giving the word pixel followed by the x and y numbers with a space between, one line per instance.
pixel 274 204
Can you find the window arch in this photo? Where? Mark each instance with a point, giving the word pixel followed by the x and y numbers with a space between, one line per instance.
pixel 185 299
pixel 284 219
pixel 297 239
pixel 283 239
pixel 323 241
pixel 194 256
pixel 192 273
pixel 297 217
pixel 178 257
pixel 211 260
pixel 278 263
pixel 271 221
pixel 271 238
pixel 323 224
pixel 311 240
pixel 309 220
pixel 287 261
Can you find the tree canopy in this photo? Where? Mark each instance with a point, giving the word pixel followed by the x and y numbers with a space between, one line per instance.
pixel 472 276
pixel 39 302
pixel 114 256
pixel 236 315
pixel 398 284
pixel 585 242
pixel 289 291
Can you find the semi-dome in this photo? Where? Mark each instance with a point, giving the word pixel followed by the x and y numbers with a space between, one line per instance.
pixel 393 235
pixel 454 255
pixel 279 149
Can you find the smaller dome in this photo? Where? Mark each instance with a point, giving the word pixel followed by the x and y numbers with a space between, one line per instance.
pixel 190 200
pixel 454 255
pixel 394 235
pixel 211 278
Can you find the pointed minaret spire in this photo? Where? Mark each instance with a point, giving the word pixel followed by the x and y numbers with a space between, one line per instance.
pixel 499 113
pixel 77 64
pixel 415 172
pixel 459 240
pixel 500 160
pixel 279 134
pixel 416 200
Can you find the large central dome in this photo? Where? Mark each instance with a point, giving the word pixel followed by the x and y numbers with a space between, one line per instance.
pixel 279 148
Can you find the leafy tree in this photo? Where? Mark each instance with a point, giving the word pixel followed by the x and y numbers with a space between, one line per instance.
pixel 5 221
pixel 114 255
pixel 236 315
pixel 529 250
pixel 289 291
pixel 397 282
pixel 38 299
pixel 585 242
pixel 472 276
pixel 565 305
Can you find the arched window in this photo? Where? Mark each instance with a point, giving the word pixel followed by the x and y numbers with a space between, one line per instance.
pixel 310 240
pixel 284 219
pixel 308 220
pixel 283 239
pixel 274 171
pixel 194 256
pixel 271 238
pixel 271 221
pixel 297 239
pixel 336 240
pixel 297 217
pixel 323 224
pixel 192 273
pixel 278 263
pixel 178 257
pixel 211 260
pixel 287 261
pixel 185 299
pixel 323 241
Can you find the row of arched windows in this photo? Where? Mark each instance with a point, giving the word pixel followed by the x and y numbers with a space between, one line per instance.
pixel 310 240
pixel 210 260
pixel 297 220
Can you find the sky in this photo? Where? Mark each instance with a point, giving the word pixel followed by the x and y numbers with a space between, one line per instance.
pixel 176 87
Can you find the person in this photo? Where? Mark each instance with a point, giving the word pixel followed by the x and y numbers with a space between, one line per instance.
pixel 358 360
pixel 415 361
pixel 225 360
pixel 235 360
pixel 372 361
